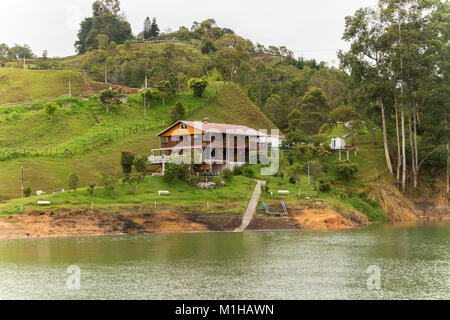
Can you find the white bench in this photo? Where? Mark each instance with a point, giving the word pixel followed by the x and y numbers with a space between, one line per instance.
pixel 283 192
pixel 44 203
pixel 163 193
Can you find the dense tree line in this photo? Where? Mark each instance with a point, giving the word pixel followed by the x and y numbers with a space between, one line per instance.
pixel 399 63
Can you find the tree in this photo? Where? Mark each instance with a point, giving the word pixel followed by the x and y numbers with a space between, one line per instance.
pixel 164 89
pixel 295 172
pixel 368 59
pixel 198 86
pixel 315 170
pixel 154 29
pixel 110 183
pixel 342 114
pixel 19 52
pixel 109 98
pixel 314 109
pixel 132 180
pixel 147 33
pixel 50 109
pixel 347 170
pixel 227 61
pixel 276 110
pixel 4 51
pixel 177 113
pixel 73 181
pixel 107 21
pixel 44 55
pixel 127 160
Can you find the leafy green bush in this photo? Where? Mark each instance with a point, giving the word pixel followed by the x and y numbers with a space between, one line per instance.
pixel 27 192
pixel 324 185
pixel 248 172
pixel 227 174
pixel 172 172
pixel 110 183
pixel 347 169
pixel 238 171
pixel 198 86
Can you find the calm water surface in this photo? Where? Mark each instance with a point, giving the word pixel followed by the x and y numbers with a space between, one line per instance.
pixel 414 263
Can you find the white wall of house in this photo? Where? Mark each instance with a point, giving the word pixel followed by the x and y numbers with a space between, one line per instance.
pixel 338 143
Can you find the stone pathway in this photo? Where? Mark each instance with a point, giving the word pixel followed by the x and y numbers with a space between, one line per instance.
pixel 251 208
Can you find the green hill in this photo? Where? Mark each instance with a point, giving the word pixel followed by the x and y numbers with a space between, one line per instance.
pixel 17 85
pixel 85 127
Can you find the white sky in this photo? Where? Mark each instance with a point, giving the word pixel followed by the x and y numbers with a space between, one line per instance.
pixel 310 28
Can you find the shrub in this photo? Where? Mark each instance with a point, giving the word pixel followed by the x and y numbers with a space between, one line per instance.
pixel 172 172
pixel 50 108
pixel 127 161
pixel 27 192
pixel 73 181
pixel 90 189
pixel 227 174
pixel 110 183
pixel 347 170
pixel 198 86
pixel 132 180
pixel 248 172
pixel 324 185
pixel 238 171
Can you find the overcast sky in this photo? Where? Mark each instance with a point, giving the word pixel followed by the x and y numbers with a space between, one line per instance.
pixel 310 28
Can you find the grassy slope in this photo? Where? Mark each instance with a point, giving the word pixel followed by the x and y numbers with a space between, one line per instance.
pixel 74 126
pixel 18 85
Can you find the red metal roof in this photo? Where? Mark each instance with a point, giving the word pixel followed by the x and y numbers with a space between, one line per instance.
pixel 219 128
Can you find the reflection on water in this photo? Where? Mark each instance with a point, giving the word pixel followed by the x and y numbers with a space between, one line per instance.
pixel 414 262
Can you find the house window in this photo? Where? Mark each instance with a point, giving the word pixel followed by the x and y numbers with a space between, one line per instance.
pixel 183 126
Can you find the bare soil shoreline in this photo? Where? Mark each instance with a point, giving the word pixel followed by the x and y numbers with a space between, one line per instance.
pixel 141 220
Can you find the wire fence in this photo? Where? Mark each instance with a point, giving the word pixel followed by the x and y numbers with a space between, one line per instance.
pixel 29 102
pixel 80 148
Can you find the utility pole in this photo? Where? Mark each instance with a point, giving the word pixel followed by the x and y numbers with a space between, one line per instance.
pixel 21 179
pixel 106 73
pixel 70 86
pixel 309 180
pixel 145 98
pixel 24 62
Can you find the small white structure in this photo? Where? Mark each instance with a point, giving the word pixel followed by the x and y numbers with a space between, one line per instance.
pixel 273 142
pixel 40 193
pixel 44 203
pixel 163 193
pixel 283 192
pixel 338 143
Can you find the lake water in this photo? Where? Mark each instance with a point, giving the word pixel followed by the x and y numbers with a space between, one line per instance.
pixel 414 263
